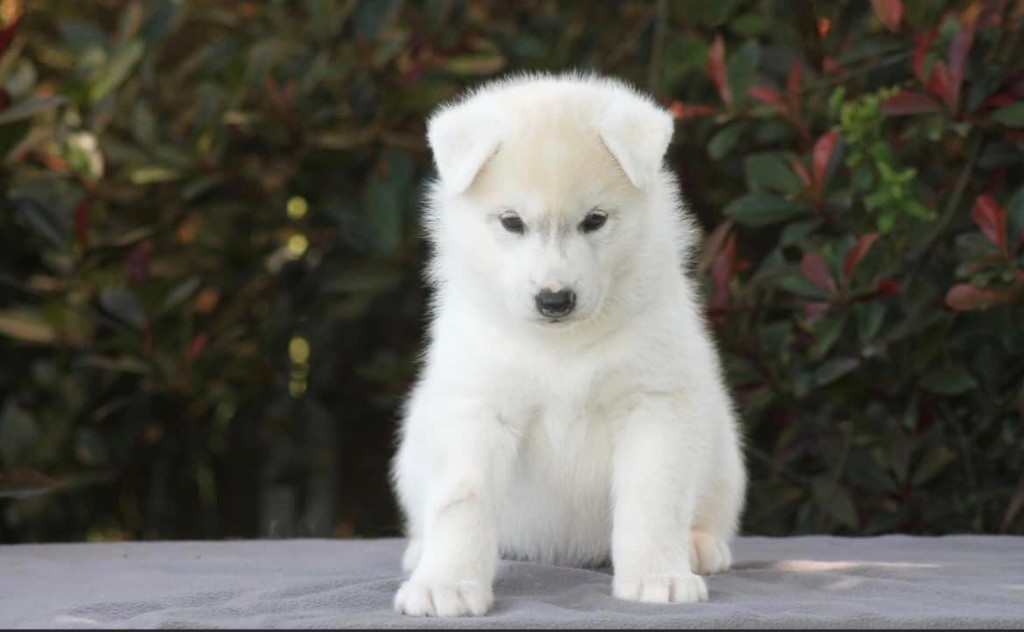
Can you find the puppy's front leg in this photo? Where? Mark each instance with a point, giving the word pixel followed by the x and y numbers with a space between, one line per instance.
pixel 461 464
pixel 654 478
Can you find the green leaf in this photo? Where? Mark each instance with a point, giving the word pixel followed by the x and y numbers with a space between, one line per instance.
pixel 763 209
pixel 19 435
pixel 386 196
pixel 90 449
pixel 117 71
pixel 834 369
pixel 143 124
pixel 11 135
pixel 798 284
pixel 724 140
pixel 748 24
pixel 26 328
pixel 704 13
pixel 948 381
pixel 770 171
pixel 844 512
pixel 27 109
pixel 740 68
pixel 869 320
pixel 1015 215
pixel 123 364
pixel 180 293
pixel 834 500
pixel 42 219
pixel 934 461
pixel 123 305
pixel 1010 116
pixel 200 186
pixel 827 333
pixel 796 231
pixel 153 174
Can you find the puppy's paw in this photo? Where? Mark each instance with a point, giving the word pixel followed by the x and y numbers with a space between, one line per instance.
pixel 444 599
pixel 682 587
pixel 411 557
pixel 709 554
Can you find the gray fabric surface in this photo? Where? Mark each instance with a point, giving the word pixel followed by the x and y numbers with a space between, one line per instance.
pixel 813 582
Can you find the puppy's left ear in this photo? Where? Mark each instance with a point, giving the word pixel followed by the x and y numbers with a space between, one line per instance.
pixel 637 132
pixel 463 138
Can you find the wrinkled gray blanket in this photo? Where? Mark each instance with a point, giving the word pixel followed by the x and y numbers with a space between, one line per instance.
pixel 813 582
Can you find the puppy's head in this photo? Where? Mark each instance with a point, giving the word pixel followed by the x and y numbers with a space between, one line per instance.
pixel 544 194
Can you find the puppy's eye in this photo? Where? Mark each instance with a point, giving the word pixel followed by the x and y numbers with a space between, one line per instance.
pixel 593 221
pixel 512 223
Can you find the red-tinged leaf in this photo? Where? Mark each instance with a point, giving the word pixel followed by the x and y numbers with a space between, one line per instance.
pixel 939 83
pixel 824 25
pixel 815 310
pixel 24 483
pixel 923 43
pixel 823 150
pixel 281 97
pixel 716 69
pixel 833 67
pixel 889 12
pixel 136 265
pixel 82 212
pixel 888 287
pixel 195 347
pixel 1017 86
pixel 997 101
pixel 8 32
pixel 801 172
pixel 903 103
pixel 959 49
pixel 687 111
pixel 713 244
pixel 991 218
pixel 816 270
pixel 722 272
pixel 769 96
pixel 966 297
pixel 857 253
pixel 793 83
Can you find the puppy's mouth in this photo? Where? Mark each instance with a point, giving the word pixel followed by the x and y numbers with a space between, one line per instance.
pixel 556 322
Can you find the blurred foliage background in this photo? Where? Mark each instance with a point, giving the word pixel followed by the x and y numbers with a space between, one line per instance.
pixel 210 257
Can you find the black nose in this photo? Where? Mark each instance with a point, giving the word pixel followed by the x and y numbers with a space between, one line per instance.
pixel 555 304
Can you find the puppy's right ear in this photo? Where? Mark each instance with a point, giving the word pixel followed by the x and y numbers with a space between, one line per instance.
pixel 463 137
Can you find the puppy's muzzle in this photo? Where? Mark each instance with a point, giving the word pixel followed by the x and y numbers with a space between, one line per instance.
pixel 556 304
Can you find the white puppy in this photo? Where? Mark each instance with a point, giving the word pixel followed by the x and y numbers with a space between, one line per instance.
pixel 571 407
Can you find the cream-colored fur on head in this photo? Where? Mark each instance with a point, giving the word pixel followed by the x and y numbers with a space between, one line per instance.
pixel 588 429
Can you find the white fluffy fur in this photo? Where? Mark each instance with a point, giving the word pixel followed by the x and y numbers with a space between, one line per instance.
pixel 608 435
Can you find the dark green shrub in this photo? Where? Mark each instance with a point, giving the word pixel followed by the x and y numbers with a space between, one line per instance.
pixel 210 303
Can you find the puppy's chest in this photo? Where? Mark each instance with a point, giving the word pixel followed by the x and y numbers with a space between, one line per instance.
pixel 569 419
pixel 570 434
